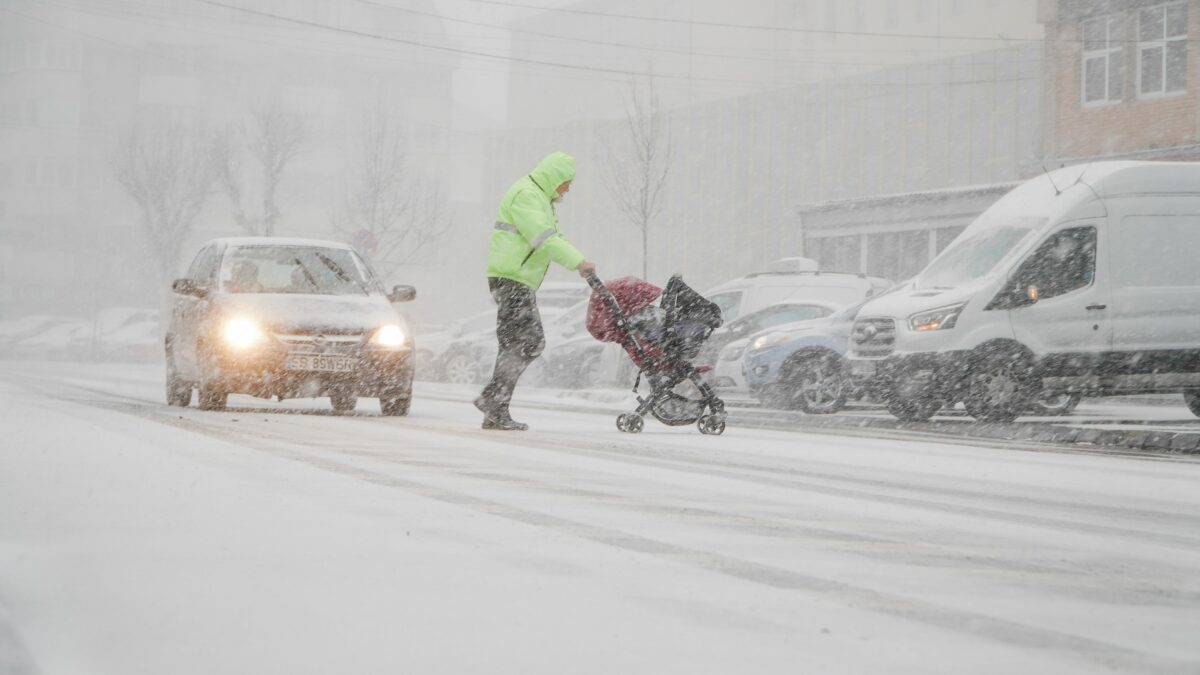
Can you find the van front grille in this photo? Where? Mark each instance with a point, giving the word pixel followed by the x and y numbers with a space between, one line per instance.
pixel 873 338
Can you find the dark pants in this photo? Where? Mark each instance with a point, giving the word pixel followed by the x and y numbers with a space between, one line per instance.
pixel 519 336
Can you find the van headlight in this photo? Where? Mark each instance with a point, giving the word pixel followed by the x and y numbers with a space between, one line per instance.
pixel 768 341
pixel 242 334
pixel 942 318
pixel 390 336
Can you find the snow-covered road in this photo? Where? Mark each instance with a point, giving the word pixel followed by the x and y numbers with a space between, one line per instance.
pixel 141 539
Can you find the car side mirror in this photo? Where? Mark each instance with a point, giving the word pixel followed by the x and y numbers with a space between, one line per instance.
pixel 189 287
pixel 402 294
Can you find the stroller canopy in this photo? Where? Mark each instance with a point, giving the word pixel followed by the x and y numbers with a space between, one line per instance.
pixel 632 295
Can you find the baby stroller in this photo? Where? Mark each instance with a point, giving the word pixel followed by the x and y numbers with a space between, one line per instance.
pixel 661 340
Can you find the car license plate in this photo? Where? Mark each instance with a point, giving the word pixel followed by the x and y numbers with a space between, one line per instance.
pixel 321 362
pixel 862 368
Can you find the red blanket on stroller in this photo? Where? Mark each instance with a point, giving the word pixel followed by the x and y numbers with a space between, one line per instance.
pixel 632 295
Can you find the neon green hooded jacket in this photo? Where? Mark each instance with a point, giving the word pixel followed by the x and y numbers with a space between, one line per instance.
pixel 526 238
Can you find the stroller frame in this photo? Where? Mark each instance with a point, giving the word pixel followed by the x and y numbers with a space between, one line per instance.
pixel 663 374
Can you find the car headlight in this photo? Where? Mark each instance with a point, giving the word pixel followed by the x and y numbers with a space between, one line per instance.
pixel 390 336
pixel 242 334
pixel 941 318
pixel 769 340
pixel 732 353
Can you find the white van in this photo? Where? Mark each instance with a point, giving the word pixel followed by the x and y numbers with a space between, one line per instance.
pixel 1086 279
pixel 792 279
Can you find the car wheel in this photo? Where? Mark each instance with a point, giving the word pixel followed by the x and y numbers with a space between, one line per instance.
pixel 343 403
pixel 461 369
pixel 820 388
pixel 999 387
pixel 212 397
pixel 1192 399
pixel 395 406
pixel 1061 403
pixel 179 392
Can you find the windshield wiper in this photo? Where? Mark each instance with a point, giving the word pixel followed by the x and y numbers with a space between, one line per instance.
pixel 307 275
pixel 341 273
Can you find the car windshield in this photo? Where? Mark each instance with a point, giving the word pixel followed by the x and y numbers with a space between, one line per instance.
pixel 296 269
pixel 976 253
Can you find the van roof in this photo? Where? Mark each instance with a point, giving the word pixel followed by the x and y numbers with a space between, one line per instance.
pixel 1112 179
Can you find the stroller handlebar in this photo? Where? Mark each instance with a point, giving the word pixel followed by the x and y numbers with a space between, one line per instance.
pixel 594 281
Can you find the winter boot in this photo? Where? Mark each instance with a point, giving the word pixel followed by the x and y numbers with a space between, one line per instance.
pixel 500 420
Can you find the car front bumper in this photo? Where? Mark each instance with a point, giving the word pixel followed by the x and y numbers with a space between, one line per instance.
pixel 270 372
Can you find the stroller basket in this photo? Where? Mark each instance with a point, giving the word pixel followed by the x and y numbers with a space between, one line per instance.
pixel 661 340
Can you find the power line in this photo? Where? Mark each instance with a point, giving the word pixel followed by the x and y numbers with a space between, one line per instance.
pixel 779 29
pixel 626 45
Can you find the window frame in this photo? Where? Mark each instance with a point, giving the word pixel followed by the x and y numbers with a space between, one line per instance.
pixel 1159 43
pixel 1108 53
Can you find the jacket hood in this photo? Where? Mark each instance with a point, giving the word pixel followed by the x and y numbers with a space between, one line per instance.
pixel 554 170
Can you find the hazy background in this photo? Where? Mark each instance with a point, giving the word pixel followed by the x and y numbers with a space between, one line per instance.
pixel 765 115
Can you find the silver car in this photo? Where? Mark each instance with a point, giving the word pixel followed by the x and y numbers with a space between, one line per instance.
pixel 287 318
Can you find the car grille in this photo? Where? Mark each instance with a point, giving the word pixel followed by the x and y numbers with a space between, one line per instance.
pixel 873 338
pixel 325 344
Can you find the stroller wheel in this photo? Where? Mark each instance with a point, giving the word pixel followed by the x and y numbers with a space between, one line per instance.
pixel 713 425
pixel 630 423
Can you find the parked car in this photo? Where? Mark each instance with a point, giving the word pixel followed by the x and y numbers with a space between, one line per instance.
pixel 15 330
pixel 795 279
pixel 59 340
pixel 801 365
pixel 469 357
pixel 1083 280
pixel 431 354
pixel 786 311
pixel 122 333
pixel 287 318
pixel 573 359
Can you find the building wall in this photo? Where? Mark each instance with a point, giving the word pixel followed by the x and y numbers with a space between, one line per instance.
pixel 741 166
pixel 1131 124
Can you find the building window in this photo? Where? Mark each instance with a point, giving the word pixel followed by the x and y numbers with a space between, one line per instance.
pixel 1102 69
pixel 1162 49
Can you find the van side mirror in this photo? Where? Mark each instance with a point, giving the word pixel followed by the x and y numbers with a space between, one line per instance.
pixel 402 294
pixel 189 287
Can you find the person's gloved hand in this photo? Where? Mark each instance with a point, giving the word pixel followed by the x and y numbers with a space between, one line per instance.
pixel 586 268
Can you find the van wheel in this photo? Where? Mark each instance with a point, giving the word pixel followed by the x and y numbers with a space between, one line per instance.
pixel 1192 398
pixel 820 388
pixel 461 369
pixel 1000 387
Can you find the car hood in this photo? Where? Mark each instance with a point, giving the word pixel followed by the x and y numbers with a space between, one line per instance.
pixel 904 302
pixel 305 314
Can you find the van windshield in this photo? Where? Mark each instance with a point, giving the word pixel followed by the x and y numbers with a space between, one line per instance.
pixel 976 252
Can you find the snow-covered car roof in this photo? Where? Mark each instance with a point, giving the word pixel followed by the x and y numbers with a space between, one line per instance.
pixel 279 241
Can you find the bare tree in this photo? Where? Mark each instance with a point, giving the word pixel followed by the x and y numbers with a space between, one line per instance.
pixel 169 174
pixel 388 211
pixel 638 163
pixel 273 138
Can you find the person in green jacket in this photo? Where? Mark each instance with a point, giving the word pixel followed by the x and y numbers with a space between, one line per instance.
pixel 525 240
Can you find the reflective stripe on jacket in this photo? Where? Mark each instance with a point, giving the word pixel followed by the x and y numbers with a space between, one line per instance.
pixel 525 239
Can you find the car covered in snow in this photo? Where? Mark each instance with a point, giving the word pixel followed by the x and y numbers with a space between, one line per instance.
pixel 794 279
pixel 470 356
pixel 287 318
